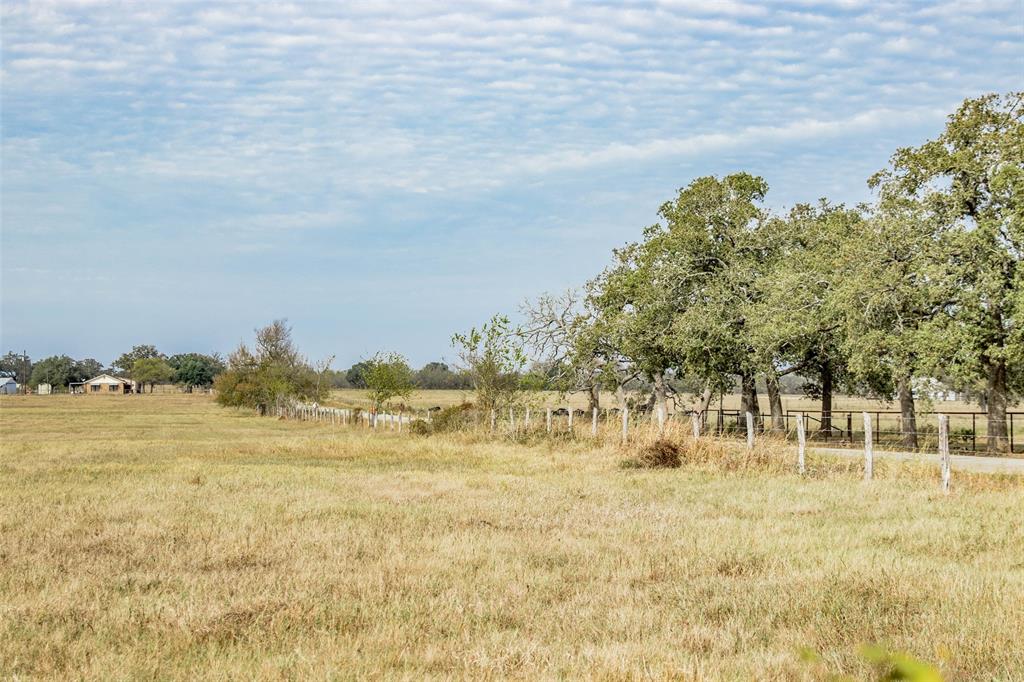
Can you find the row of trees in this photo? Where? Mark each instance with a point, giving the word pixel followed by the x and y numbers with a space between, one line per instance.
pixel 925 282
pixel 274 373
pixel 433 375
pixel 145 364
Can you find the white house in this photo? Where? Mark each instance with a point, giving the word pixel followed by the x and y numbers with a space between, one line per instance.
pixel 8 386
pixel 104 384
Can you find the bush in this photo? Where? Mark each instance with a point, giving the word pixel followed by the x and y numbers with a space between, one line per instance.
pixel 454 418
pixel 420 428
pixel 661 454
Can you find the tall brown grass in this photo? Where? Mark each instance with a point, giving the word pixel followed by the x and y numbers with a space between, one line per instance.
pixel 163 537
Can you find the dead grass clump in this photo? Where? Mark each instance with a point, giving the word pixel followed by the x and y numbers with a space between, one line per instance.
pixel 454 418
pixel 661 454
pixel 420 428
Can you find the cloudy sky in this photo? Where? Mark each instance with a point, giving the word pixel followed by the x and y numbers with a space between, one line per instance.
pixel 383 174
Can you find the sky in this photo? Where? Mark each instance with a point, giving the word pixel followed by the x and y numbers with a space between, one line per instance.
pixel 385 174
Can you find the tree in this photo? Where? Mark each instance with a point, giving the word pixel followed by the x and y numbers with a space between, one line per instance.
pixel 685 287
pixel 58 371
pixel 387 376
pixel 88 368
pixel 16 365
pixel 127 360
pixel 193 370
pixel 971 178
pixel 438 375
pixel 271 374
pixel 151 371
pixel 356 375
pixel 794 323
pixel 554 331
pixel 494 357
pixel 892 286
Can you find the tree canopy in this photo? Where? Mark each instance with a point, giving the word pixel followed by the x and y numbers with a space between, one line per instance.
pixel 274 372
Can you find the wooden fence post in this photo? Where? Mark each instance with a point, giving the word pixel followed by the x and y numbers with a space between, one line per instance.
pixel 526 420
pixel 549 420
pixel 494 416
pixel 593 424
pixel 400 420
pixel 750 430
pixel 801 447
pixel 695 425
pixel 661 420
pixel 625 425
pixel 512 421
pixel 869 450
pixel 944 458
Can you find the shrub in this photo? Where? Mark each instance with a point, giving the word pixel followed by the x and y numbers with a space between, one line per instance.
pixel 454 418
pixel 420 428
pixel 661 454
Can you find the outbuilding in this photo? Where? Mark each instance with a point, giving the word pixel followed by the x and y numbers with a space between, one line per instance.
pixel 8 386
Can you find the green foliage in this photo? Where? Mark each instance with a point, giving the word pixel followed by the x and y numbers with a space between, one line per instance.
pixel 127 360
pixel 897 666
pixel 17 365
pixel 437 375
pixel 195 369
pixel 387 376
pixel 272 374
pixel 969 182
pixel 58 371
pixel 494 358
pixel 355 376
pixel 88 368
pixel 151 371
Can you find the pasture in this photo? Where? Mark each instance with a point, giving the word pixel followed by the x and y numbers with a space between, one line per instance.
pixel 161 536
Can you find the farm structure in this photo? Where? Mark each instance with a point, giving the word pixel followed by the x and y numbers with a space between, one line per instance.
pixel 104 384
pixel 8 386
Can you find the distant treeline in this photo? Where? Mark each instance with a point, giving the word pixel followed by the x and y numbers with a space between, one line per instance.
pixel 192 370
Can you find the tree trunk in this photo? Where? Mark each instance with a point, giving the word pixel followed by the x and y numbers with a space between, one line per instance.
pixel 775 403
pixel 908 415
pixel 705 404
pixel 620 396
pixel 748 398
pixel 826 397
pixel 593 397
pixel 997 399
pixel 660 394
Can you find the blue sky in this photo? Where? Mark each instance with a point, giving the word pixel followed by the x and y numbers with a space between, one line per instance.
pixel 383 174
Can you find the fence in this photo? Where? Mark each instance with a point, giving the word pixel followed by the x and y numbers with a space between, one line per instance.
pixel 968 431
pixel 659 424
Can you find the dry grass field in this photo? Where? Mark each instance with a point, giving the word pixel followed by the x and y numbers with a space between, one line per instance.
pixel 164 537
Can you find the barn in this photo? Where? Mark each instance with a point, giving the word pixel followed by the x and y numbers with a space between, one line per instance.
pixel 105 384
pixel 8 386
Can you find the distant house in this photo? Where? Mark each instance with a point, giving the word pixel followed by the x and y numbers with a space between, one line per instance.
pixel 104 384
pixel 8 386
